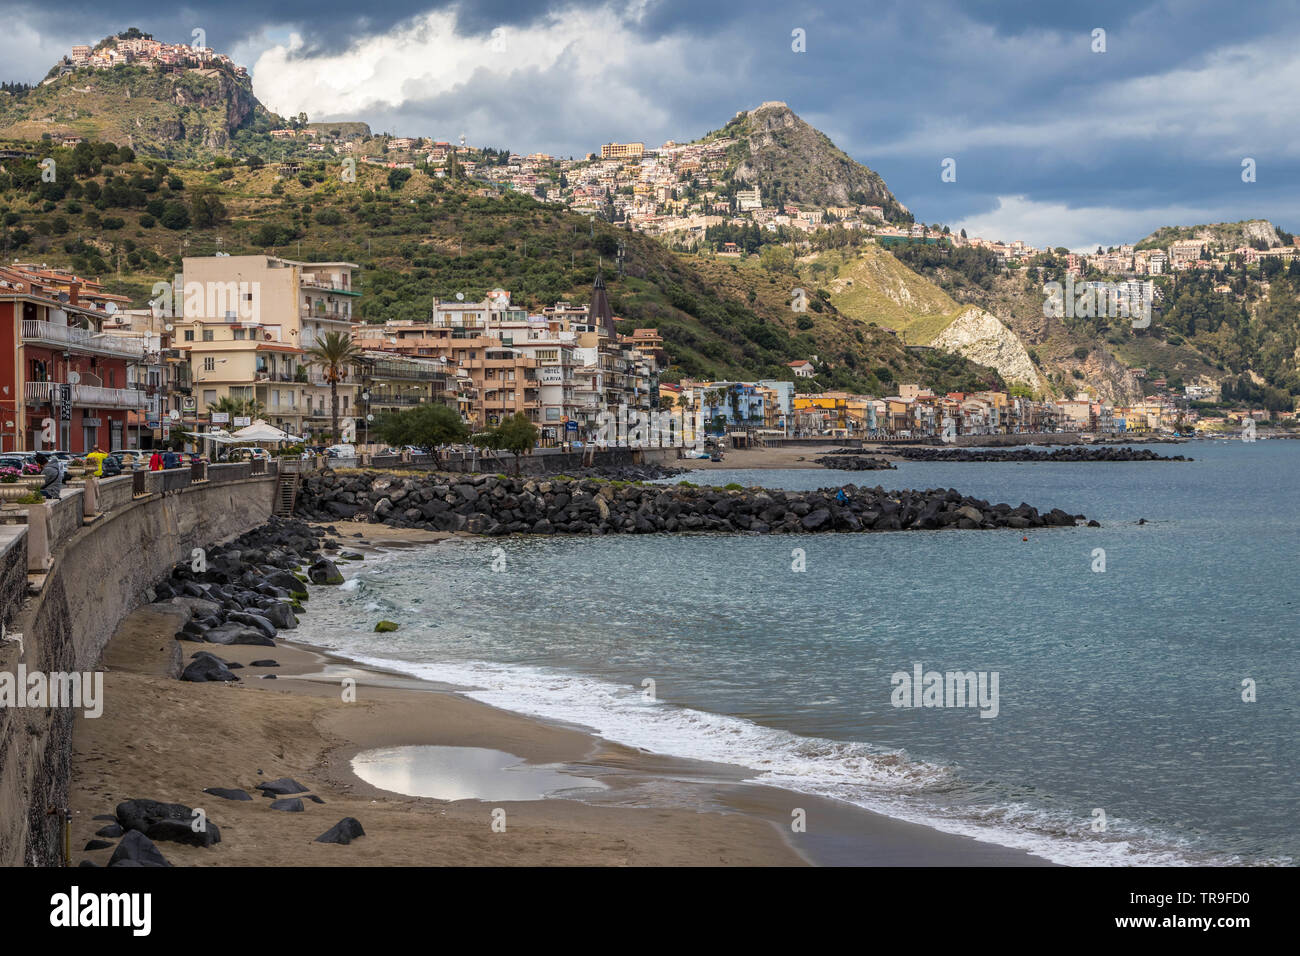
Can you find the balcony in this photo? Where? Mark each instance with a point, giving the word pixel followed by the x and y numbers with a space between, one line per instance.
pixel 38 332
pixel 325 284
pixel 382 400
pixel 306 313
pixel 86 396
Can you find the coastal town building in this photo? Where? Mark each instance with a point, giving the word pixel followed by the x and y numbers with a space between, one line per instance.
pixel 65 383
pixel 248 324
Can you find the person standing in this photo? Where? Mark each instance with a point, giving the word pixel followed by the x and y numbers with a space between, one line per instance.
pixel 155 461
pixel 96 460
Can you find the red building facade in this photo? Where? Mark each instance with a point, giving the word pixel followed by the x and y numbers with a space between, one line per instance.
pixel 64 382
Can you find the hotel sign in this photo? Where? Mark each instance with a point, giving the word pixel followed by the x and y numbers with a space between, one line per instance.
pixel 65 402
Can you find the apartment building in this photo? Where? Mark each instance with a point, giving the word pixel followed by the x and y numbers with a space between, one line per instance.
pixel 248 324
pixel 64 382
pixel 622 151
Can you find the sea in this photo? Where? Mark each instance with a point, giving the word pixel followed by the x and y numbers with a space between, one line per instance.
pixel 1147 707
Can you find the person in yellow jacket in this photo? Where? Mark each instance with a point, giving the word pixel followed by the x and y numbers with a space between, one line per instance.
pixel 96 458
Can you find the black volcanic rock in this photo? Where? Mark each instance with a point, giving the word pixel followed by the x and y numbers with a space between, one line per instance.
pixel 345 831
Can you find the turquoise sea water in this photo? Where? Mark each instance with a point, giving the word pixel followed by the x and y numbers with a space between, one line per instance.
pixel 1120 692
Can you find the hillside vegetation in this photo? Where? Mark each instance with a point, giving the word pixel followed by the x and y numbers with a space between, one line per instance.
pixel 416 237
pixel 193 113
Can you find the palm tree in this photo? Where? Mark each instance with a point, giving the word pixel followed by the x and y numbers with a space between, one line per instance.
pixel 232 406
pixel 336 353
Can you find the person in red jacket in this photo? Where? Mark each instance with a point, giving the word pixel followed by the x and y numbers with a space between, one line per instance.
pixel 155 461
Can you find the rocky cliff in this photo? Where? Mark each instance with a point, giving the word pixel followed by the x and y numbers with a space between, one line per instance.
pixel 982 338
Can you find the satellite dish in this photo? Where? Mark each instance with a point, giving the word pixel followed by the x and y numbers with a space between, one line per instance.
pixel 168 327
pixel 63 297
pixel 111 308
pixel 370 418
pixel 174 415
pixel 366 396
pixel 74 377
pixel 460 296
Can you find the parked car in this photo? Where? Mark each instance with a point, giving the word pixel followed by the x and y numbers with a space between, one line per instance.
pixel 341 451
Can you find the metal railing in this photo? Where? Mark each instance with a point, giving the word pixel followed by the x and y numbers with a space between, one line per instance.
pixel 93 396
pixel 36 330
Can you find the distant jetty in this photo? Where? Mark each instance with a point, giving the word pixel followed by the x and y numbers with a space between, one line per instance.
pixel 500 505
pixel 1070 453
pixel 844 461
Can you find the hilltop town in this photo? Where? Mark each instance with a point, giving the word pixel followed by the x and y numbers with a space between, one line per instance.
pixel 133 48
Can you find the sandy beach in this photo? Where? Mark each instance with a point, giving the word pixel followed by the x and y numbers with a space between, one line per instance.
pixel 783 456
pixel 167 740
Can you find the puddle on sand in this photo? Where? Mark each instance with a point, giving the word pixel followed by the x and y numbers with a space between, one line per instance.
pixel 463 773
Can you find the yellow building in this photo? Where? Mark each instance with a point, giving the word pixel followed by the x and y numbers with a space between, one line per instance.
pixel 248 324
pixel 622 151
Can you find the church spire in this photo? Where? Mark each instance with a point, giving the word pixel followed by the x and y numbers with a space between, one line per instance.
pixel 602 315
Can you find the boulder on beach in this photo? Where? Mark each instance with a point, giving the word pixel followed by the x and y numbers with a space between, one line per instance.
pixel 280 613
pixel 207 668
pixel 237 634
pixel 283 786
pixel 383 627
pixel 324 571
pixel 288 805
pixel 96 845
pixel 345 831
pixel 227 793
pixel 136 849
pixel 166 821
pixel 256 621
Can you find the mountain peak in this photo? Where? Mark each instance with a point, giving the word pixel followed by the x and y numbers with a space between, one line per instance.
pixel 788 160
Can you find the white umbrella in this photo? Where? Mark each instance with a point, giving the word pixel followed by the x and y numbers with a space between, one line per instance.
pixel 216 435
pixel 260 431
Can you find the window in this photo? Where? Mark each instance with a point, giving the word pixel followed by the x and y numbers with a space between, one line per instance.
pixel 209 364
pixel 209 396
pixel 189 335
pixel 207 335
pixel 239 335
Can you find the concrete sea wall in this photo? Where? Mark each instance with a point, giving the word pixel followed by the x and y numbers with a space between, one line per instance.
pixel 99 572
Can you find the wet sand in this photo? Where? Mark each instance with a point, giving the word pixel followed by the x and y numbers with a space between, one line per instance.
pixel 167 740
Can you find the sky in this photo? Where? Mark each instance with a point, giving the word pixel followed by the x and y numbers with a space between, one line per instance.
pixel 1067 124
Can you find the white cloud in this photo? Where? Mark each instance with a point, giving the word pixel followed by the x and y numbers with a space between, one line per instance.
pixel 1084 228
pixel 27 52
pixel 584 69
